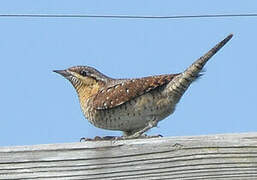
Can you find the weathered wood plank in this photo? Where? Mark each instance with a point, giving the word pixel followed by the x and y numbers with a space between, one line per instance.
pixel 229 156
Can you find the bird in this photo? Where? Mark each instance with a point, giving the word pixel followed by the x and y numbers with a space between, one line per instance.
pixel 132 105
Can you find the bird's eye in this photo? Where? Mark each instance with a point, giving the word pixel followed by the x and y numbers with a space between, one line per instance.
pixel 83 73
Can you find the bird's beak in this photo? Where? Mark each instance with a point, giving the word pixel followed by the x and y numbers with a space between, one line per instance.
pixel 64 73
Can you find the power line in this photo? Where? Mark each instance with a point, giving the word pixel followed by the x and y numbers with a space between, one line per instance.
pixel 126 16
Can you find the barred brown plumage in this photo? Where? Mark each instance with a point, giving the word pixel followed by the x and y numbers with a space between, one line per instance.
pixel 120 93
pixel 132 105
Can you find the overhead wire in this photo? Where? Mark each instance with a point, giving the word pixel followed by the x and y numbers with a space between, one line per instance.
pixel 126 16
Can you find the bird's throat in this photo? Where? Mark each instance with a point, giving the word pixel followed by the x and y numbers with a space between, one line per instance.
pixel 86 91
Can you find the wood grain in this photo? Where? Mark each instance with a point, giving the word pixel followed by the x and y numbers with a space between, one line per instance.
pixel 229 156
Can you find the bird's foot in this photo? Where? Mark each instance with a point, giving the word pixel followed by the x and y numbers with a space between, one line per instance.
pixel 144 136
pixel 140 133
pixel 114 138
pixel 98 138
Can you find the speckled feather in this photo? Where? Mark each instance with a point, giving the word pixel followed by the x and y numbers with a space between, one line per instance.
pixel 118 94
pixel 132 105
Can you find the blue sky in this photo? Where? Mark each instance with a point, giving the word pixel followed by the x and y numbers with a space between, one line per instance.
pixel 40 107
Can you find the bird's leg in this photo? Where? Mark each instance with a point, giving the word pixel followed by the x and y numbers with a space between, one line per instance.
pixel 151 124
pixel 128 134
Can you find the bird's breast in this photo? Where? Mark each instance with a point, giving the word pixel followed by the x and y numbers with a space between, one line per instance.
pixel 134 114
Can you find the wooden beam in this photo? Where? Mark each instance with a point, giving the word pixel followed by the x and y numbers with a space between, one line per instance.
pixel 224 156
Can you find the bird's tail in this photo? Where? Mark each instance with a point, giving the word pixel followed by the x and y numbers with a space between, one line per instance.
pixel 181 82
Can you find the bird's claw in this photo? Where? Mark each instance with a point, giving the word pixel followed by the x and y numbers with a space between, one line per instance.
pixel 115 138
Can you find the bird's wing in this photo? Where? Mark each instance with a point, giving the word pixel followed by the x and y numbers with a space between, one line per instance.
pixel 124 91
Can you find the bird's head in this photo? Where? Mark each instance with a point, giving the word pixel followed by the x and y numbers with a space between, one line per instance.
pixel 86 80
